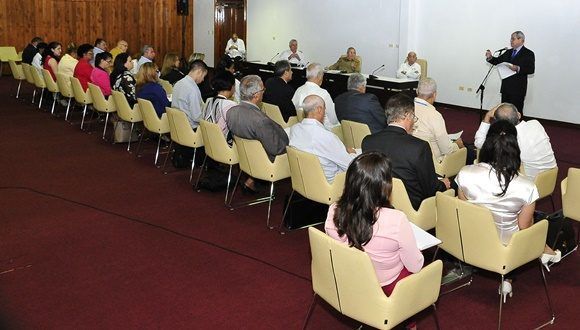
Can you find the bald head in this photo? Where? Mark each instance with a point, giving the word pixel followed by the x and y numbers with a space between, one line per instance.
pixel 411 58
pixel 509 112
pixel 314 107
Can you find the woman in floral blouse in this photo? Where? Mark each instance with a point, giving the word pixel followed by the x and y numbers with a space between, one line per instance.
pixel 121 78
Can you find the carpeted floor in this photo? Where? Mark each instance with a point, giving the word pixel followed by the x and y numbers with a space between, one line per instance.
pixel 93 237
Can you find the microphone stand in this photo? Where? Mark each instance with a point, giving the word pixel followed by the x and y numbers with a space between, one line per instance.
pixel 482 90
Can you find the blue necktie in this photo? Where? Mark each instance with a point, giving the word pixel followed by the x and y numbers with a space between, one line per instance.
pixel 514 52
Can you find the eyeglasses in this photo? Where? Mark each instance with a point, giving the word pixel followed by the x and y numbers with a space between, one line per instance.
pixel 415 118
pixel 110 61
pixel 260 91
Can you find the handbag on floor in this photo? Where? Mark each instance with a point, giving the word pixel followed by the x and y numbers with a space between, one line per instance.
pixel 123 132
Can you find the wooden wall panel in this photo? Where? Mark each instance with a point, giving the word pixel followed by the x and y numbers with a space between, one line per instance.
pixel 140 22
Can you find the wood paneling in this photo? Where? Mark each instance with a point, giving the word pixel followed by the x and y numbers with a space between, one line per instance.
pixel 140 22
pixel 229 17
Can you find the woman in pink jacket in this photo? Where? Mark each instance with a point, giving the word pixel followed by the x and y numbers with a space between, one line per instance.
pixel 100 74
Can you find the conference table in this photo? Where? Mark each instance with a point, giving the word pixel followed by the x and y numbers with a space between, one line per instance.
pixel 335 82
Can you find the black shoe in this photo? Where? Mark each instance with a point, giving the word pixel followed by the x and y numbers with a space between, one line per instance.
pixel 248 191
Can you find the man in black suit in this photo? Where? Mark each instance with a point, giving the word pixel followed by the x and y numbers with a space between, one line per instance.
pixel 411 157
pixel 356 105
pixel 513 88
pixel 278 92
pixel 30 50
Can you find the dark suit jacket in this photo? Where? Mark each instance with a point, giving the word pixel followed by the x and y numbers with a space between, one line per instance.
pixel 28 54
pixel 411 161
pixel 247 121
pixel 361 107
pixel 518 83
pixel 279 93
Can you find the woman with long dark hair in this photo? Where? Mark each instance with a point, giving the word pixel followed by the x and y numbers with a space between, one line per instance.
pixel 50 58
pixel 121 78
pixel 365 219
pixel 170 69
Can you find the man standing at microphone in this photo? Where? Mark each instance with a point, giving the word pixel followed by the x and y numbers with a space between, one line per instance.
pixel 522 62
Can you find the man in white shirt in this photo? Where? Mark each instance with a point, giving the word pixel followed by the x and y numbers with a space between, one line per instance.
pixel 410 68
pixel 100 46
pixel 293 55
pixel 235 47
pixel 312 137
pixel 314 75
pixel 430 125
pixel 535 148
pixel 186 94
pixel 147 56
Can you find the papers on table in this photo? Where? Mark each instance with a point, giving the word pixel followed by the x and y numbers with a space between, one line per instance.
pixel 455 136
pixel 423 238
pixel 504 70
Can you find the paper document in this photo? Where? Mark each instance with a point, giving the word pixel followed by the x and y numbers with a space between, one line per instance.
pixel 504 70
pixel 455 136
pixel 423 238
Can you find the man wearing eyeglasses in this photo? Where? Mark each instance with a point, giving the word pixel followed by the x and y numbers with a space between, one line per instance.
pixel 410 156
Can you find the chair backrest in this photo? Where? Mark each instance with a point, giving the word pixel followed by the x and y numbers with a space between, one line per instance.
pixel 166 86
pixel 423 64
pixel 354 133
pixel 401 201
pixel 38 78
pixel 273 111
pixel 447 228
pixel 26 69
pixel 451 163
pixel 299 114
pixel 81 96
pixel 100 103
pixel 254 161
pixel 323 281
pixel 8 53
pixel 337 130
pixel 124 110
pixel 308 178
pixel 180 129
pixel 216 146
pixel 571 194
pixel 150 119
pixel 50 83
pixel 64 85
pixel 17 71
pixel 546 181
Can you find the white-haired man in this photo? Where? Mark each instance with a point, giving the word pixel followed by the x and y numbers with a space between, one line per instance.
pixel 147 56
pixel 293 55
pixel 410 68
pixel 357 105
pixel 314 75
pixel 311 136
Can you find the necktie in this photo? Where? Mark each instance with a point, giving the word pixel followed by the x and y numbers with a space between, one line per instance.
pixel 514 53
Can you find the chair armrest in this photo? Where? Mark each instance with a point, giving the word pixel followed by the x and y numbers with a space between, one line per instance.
pixel 526 245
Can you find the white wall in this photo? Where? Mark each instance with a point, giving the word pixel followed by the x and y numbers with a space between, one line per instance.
pixel 453 36
pixel 203 30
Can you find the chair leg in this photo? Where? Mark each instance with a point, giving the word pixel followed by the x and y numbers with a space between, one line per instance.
pixel 84 114
pixel 551 321
pixel 234 190
pixel 552 200
pixel 500 303
pixel 106 122
pixel 167 156
pixel 130 137
pixel 157 152
pixel 53 103
pixel 228 185
pixel 282 232
pixel 309 313
pixel 18 90
pixel 67 109
pixel 33 94
pixel 200 172
pixel 140 143
pixel 41 96
pixel 270 205
pixel 192 165
pixel 435 316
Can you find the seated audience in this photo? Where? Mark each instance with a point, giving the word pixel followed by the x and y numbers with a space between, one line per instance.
pixel 495 183
pixel 411 157
pixel 148 88
pixel 30 50
pixel 122 47
pixel 37 58
pixel 235 48
pixel 186 93
pixel 357 105
pixel 147 56
pixel 84 69
pixel 311 136
pixel 410 68
pixel 100 46
pixel 50 58
pixel 100 75
pixel 217 107
pixel 69 60
pixel 314 75
pixel 278 92
pixel 536 150
pixel 348 63
pixel 121 78
pixel 364 219
pixel 293 55
pixel 229 64
pixel 170 69
pixel 431 125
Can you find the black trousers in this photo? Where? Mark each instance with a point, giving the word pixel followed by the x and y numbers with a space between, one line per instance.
pixel 515 99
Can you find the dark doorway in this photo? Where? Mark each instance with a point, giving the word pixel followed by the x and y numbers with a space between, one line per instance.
pixel 229 18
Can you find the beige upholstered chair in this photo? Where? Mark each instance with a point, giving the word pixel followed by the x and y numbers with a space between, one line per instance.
pixel 423 64
pixel 166 86
pixel 17 73
pixel 354 133
pixel 183 134
pixel 451 163
pixel 8 53
pixel 425 217
pixel 217 148
pixel 125 112
pixel 81 97
pixel 299 114
pixel 65 88
pixel 153 124
pixel 479 245
pixel 546 183
pixel 27 70
pixel 39 83
pixel 254 161
pixel 101 104
pixel 571 197
pixel 308 179
pixel 345 278
pixel 273 111
pixel 51 86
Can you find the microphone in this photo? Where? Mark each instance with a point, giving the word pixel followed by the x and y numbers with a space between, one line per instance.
pixel 372 75
pixel 278 53
pixel 501 50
